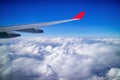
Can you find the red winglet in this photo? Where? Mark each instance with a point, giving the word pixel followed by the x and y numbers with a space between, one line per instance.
pixel 79 16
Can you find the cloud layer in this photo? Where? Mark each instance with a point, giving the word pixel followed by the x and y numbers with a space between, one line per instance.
pixel 45 58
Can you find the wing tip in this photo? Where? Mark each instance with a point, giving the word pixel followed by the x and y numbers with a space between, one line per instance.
pixel 79 16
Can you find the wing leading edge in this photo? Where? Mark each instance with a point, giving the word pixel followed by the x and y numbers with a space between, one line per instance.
pixel 5 32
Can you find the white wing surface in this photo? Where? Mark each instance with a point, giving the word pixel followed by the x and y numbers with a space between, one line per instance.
pixel 6 32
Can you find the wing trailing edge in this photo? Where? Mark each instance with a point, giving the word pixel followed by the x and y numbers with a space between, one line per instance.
pixel 33 28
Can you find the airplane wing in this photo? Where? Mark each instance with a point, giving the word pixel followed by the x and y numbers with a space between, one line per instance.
pixel 6 32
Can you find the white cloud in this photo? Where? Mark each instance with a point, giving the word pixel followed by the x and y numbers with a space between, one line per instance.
pixel 59 59
pixel 114 74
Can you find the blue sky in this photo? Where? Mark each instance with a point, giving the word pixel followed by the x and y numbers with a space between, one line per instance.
pixel 101 18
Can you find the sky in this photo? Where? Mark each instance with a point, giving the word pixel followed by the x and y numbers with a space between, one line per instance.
pixel 101 16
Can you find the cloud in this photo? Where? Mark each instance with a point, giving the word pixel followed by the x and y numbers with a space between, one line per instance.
pixel 114 73
pixel 45 58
